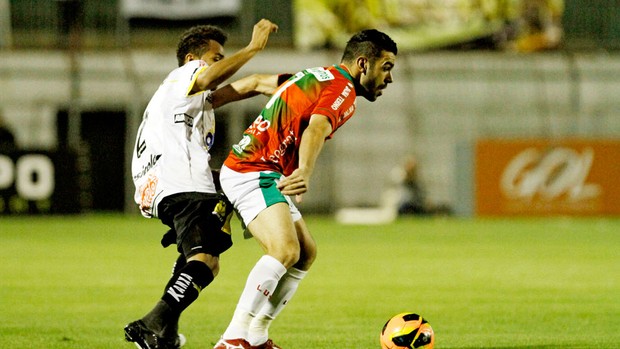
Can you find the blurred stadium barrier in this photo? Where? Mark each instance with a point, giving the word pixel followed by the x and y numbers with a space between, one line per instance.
pixel 437 102
pixel 440 103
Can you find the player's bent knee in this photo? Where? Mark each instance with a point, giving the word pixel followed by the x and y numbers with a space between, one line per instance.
pixel 306 258
pixel 307 255
pixel 212 262
pixel 288 257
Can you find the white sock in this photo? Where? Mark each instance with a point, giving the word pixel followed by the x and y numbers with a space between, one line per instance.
pixel 261 283
pixel 259 327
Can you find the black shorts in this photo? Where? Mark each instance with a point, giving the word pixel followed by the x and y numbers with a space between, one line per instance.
pixel 199 221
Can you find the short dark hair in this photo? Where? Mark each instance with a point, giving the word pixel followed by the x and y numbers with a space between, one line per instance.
pixel 196 40
pixel 370 43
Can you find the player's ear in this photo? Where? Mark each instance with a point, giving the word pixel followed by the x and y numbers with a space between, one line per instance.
pixel 362 64
pixel 189 57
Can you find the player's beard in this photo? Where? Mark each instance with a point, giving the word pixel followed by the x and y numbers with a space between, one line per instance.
pixel 372 89
pixel 372 94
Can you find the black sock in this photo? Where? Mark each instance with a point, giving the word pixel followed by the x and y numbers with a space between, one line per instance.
pixel 186 284
pixel 161 320
pixel 181 291
pixel 179 264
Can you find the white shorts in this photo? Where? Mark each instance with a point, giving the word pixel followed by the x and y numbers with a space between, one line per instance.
pixel 252 192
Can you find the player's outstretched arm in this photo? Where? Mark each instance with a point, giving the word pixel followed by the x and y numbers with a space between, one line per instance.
pixel 247 87
pixel 221 70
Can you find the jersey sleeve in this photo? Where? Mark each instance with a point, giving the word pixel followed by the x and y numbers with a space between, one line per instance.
pixel 334 101
pixel 191 70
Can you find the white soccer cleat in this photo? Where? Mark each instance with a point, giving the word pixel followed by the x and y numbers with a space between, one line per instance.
pixel 182 340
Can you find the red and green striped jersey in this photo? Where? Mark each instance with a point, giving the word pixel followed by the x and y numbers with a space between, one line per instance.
pixel 271 143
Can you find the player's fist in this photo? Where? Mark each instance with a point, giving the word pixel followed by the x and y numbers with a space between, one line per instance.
pixel 261 33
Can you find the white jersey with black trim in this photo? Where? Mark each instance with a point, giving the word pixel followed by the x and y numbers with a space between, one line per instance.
pixel 171 153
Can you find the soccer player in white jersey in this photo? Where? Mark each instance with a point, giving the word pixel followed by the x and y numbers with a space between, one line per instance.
pixel 171 171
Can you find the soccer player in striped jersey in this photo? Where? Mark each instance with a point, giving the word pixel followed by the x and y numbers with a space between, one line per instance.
pixel 172 175
pixel 275 159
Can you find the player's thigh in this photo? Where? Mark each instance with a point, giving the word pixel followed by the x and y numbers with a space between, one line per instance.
pixel 251 192
pixel 200 223
pixel 273 228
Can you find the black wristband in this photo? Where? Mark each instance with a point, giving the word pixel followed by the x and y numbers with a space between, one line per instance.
pixel 283 77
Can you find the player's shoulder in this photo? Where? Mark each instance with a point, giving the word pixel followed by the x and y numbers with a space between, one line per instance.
pixel 190 68
pixel 321 74
pixel 329 73
pixel 195 64
pixel 182 78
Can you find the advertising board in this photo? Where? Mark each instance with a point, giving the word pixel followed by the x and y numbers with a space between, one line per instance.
pixel 547 177
pixel 38 182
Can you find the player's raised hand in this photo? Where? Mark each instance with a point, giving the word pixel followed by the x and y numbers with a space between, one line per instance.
pixel 261 33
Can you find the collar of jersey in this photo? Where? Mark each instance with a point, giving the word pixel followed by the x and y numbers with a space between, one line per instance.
pixel 344 72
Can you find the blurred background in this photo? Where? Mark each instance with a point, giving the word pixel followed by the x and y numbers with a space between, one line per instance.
pixel 498 107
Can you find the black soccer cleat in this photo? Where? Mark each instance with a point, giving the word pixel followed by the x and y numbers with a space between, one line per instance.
pixel 137 333
pixel 143 338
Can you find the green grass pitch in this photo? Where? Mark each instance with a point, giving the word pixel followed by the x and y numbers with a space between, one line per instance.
pixel 74 282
